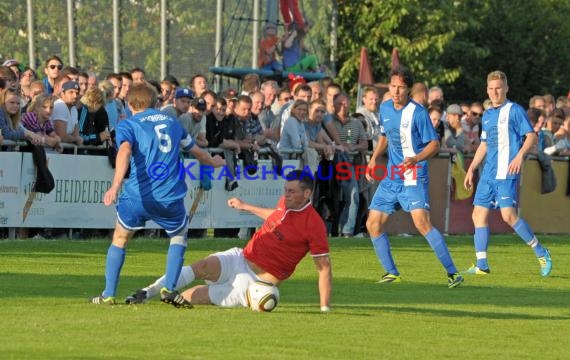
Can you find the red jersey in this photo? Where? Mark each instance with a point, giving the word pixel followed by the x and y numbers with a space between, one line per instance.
pixel 266 56
pixel 284 239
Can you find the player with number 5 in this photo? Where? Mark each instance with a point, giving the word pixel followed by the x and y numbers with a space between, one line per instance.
pixel 148 138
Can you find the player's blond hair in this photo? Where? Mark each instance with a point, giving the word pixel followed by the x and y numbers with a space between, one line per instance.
pixel 497 75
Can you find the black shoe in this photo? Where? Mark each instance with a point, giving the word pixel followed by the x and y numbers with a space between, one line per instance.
pixel 174 298
pixel 139 297
pixel 231 185
pixel 454 280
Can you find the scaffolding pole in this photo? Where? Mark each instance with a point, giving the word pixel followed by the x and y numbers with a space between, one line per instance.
pixel 255 37
pixel 116 52
pixel 163 38
pixel 71 32
pixel 219 45
pixel 31 47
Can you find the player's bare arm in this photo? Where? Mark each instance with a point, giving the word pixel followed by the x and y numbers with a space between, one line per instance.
pixel 323 264
pixel 477 159
pixel 429 151
pixel 205 158
pixel 238 204
pixel 378 151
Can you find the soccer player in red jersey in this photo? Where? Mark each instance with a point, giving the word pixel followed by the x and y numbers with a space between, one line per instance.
pixel 289 232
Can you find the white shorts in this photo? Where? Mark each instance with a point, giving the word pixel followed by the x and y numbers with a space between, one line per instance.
pixel 235 278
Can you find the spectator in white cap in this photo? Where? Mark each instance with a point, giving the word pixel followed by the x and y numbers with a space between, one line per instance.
pixel 454 136
pixel 13 65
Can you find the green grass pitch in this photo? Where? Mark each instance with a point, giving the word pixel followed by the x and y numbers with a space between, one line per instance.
pixel 511 314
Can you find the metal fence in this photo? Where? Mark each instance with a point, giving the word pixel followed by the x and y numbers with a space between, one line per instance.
pixel 190 29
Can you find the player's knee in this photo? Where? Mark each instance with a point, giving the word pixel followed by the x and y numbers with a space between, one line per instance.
pixel 373 227
pixel 474 217
pixel 479 217
pixel 120 241
pixel 200 268
pixel 423 225
pixel 423 228
pixel 510 218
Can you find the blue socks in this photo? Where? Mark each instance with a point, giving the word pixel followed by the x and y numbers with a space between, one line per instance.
pixel 521 228
pixel 527 235
pixel 437 243
pixel 115 261
pixel 481 239
pixel 174 262
pixel 382 249
pixel 435 239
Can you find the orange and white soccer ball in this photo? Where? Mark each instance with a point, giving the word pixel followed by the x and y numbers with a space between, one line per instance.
pixel 262 296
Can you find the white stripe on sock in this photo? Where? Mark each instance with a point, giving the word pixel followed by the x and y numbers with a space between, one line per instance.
pixel 533 243
pixel 481 255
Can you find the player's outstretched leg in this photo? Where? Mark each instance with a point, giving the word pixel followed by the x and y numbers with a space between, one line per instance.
pixel 140 296
pixel 522 228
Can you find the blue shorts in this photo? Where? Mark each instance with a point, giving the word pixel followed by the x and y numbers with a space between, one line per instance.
pixel 496 194
pixel 132 214
pixel 391 197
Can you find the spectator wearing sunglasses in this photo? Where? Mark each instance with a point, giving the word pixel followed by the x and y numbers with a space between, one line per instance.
pixel 53 68
pixel 471 124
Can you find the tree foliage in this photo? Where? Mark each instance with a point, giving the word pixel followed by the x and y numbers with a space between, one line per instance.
pixel 455 44
pixel 450 43
pixel 191 34
pixel 422 31
pixel 527 39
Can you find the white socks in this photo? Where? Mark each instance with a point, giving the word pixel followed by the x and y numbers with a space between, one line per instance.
pixel 186 277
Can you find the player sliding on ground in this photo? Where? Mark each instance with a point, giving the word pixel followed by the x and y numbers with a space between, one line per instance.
pixel 288 233
pixel 147 139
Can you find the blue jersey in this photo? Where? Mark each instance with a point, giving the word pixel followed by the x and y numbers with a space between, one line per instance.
pixel 155 140
pixel 504 128
pixel 408 131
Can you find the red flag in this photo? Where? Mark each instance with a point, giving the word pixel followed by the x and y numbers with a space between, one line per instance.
pixel 395 58
pixel 365 71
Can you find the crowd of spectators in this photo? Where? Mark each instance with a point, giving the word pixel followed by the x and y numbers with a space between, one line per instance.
pixel 312 122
